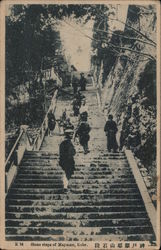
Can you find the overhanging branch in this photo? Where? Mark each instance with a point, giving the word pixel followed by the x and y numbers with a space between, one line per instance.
pixel 110 44
pixel 126 37
pixel 130 27
pixel 127 25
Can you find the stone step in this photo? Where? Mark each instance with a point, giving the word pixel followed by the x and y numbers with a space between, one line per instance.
pixel 60 190
pixel 107 160
pixel 73 181
pixel 39 158
pixel 40 171
pixel 76 172
pixel 68 209
pixel 94 154
pixel 75 202
pixel 112 157
pixel 115 168
pixel 81 171
pixel 36 179
pixel 80 186
pixel 38 153
pixel 105 186
pixel 103 181
pixel 62 195
pixel 77 216
pixel 102 153
pixel 49 175
pixel 81 223
pixel 39 163
pixel 109 163
pixel 91 156
pixel 104 191
pixel 84 168
pixel 79 231
pixel 101 168
pixel 106 164
pixel 39 174
pixel 86 162
pixel 73 238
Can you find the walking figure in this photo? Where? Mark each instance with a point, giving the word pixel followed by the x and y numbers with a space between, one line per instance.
pixel 83 134
pixel 79 97
pixel 64 115
pixel 83 110
pixel 75 85
pixel 82 82
pixel 111 130
pixel 76 106
pixel 62 121
pixel 66 157
pixel 51 122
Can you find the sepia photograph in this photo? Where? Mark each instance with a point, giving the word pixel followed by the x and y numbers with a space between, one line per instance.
pixel 80 125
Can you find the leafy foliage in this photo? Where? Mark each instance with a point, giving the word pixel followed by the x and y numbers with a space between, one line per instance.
pixel 147 83
pixel 29 41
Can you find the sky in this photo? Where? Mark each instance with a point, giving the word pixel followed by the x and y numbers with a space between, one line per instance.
pixel 121 15
pixel 77 47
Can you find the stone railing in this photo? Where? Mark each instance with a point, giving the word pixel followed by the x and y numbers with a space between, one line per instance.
pixel 22 144
pixel 143 189
pixel 15 156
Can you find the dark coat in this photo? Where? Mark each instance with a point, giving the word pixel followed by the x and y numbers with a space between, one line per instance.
pixel 84 116
pixel 111 130
pixel 75 84
pixel 66 157
pixel 51 121
pixel 76 107
pixel 83 83
pixel 79 97
pixel 83 133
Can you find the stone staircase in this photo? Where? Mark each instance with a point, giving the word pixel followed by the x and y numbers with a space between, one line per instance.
pixel 103 201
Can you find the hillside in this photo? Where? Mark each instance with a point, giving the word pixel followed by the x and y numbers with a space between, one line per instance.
pixel 129 90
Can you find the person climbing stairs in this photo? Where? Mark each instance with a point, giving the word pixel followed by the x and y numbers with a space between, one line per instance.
pixel 103 201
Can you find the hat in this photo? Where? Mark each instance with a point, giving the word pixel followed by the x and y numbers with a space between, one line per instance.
pixel 110 117
pixel 68 131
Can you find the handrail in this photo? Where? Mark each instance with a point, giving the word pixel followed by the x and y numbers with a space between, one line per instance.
pixel 13 148
pixel 15 156
pixel 43 127
pixel 22 144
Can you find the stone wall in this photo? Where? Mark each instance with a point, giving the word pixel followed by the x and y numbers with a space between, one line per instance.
pixel 129 91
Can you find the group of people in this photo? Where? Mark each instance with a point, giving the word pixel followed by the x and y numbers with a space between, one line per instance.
pixel 79 83
pixel 82 132
pixel 63 123
pixel 66 148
